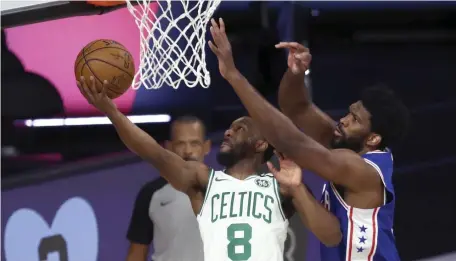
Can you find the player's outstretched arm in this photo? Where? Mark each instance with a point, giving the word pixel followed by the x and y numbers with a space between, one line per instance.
pixel 342 167
pixel 323 224
pixel 294 98
pixel 183 175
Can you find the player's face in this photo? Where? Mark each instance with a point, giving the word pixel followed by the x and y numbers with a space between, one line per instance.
pixel 239 142
pixel 188 141
pixel 353 129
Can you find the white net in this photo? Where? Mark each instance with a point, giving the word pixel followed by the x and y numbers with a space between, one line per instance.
pixel 172 42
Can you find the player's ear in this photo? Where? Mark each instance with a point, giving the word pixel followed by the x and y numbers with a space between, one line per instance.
pixel 374 140
pixel 207 146
pixel 168 145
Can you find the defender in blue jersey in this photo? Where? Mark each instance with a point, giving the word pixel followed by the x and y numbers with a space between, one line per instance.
pixel 367 233
pixel 358 165
pixel 351 155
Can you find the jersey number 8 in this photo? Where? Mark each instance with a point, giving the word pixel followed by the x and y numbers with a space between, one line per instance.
pixel 240 241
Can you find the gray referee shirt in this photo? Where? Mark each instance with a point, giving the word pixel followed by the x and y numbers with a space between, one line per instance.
pixel 165 216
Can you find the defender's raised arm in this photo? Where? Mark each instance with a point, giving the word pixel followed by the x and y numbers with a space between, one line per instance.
pixel 294 98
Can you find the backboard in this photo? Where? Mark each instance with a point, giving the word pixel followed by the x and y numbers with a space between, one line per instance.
pixel 15 13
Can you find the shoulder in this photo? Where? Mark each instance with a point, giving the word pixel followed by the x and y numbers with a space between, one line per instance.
pixel 345 158
pixel 198 167
pixel 355 169
pixel 148 189
pixel 201 171
pixel 379 159
pixel 382 162
pixel 353 160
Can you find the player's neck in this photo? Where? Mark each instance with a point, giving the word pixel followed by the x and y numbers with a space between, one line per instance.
pixel 364 151
pixel 242 169
pixel 367 149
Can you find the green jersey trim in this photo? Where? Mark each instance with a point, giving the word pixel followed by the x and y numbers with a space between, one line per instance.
pixel 209 184
pixel 278 197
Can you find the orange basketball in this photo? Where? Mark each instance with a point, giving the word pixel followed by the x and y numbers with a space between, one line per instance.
pixel 106 60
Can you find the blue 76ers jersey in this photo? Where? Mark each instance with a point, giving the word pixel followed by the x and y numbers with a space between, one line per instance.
pixel 367 233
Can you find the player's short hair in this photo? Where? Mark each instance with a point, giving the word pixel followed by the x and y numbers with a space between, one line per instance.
pixel 190 119
pixel 390 118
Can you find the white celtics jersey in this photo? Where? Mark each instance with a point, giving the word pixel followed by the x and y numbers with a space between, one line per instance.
pixel 242 219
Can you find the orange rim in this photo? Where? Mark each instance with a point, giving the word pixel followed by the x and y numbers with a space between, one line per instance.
pixel 105 3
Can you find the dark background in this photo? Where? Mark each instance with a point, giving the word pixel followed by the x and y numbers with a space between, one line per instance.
pixel 410 47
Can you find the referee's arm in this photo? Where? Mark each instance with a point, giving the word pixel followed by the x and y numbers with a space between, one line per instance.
pixel 141 229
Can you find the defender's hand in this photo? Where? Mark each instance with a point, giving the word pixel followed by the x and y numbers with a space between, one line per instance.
pixel 299 57
pixel 98 99
pixel 222 48
pixel 289 175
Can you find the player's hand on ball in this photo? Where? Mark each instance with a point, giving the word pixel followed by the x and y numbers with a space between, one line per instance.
pixel 97 98
pixel 289 175
pixel 299 57
pixel 221 47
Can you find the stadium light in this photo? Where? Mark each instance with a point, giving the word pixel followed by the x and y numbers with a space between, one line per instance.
pixel 89 121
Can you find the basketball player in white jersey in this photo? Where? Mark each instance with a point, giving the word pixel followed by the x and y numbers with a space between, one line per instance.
pixel 242 214
pixel 176 238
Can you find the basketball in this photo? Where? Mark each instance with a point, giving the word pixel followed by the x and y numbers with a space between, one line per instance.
pixel 106 60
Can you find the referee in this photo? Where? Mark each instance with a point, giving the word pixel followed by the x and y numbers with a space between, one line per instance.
pixel 164 215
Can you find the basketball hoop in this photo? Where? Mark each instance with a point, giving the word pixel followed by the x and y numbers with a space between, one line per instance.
pixel 172 45
pixel 105 3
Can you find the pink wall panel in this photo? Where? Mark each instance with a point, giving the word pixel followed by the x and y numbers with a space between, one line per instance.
pixel 50 49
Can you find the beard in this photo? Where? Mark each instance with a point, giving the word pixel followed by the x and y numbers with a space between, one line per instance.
pixel 232 156
pixel 226 158
pixel 354 144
